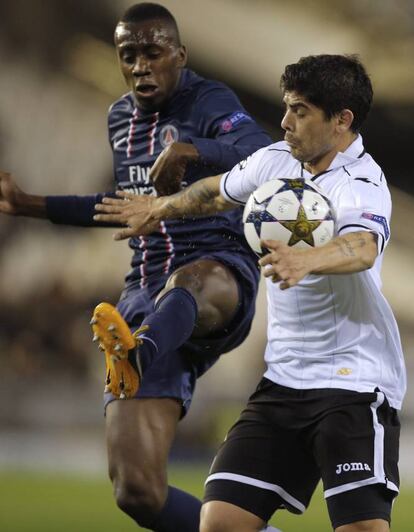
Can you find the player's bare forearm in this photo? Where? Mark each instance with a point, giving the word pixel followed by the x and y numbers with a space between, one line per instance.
pixel 351 253
pixel 142 214
pixel 15 202
pixel 201 198
pixel 32 206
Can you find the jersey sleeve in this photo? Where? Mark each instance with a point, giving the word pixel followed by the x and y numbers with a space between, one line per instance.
pixel 364 206
pixel 246 176
pixel 75 210
pixel 228 134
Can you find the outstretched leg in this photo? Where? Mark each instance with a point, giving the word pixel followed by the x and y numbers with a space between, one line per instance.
pixel 198 300
pixel 214 289
pixel 139 437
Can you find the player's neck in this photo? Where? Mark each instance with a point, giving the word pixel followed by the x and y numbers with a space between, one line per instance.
pixel 322 163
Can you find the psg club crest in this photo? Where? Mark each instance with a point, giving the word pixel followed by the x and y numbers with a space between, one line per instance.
pixel 168 135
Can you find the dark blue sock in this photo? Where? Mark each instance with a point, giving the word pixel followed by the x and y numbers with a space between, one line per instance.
pixel 181 513
pixel 170 325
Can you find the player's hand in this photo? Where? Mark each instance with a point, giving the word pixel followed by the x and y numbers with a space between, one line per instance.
pixel 168 170
pixel 285 264
pixel 136 212
pixel 9 194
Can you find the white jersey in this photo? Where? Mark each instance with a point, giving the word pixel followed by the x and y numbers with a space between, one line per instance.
pixel 331 331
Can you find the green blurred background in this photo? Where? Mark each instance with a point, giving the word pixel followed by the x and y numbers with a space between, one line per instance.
pixel 64 503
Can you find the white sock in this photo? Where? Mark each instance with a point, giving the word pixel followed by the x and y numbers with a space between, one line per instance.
pixel 271 529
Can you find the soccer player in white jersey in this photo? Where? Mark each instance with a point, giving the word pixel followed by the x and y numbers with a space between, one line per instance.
pixel 327 405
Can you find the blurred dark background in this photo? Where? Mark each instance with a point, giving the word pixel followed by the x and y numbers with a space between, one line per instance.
pixel 58 77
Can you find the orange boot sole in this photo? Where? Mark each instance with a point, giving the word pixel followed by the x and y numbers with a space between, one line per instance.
pixel 116 340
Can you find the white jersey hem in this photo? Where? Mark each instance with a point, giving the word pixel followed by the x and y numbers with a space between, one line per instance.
pixel 333 384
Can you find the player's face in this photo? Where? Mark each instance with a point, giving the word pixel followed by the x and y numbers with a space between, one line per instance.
pixel 312 137
pixel 150 61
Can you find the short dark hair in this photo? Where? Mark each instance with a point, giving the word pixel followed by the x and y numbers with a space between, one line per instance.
pixel 150 11
pixel 332 83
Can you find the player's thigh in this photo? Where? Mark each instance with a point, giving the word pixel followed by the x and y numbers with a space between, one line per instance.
pixel 217 516
pixel 139 435
pixel 364 509
pixel 356 447
pixel 356 442
pixel 373 525
pixel 263 464
pixel 215 288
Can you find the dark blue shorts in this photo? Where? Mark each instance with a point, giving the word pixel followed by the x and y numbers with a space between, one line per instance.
pixel 175 373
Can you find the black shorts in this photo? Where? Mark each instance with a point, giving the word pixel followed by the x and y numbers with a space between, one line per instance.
pixel 286 440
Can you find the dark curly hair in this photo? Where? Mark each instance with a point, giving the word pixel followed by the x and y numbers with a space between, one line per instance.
pixel 332 83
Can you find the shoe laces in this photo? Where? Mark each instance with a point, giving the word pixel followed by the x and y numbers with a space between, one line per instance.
pixel 137 334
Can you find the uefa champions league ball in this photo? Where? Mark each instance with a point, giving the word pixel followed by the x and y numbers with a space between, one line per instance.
pixel 291 210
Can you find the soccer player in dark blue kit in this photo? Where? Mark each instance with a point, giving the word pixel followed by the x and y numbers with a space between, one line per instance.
pixel 191 291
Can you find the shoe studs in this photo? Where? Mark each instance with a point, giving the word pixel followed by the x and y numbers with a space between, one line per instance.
pixel 113 337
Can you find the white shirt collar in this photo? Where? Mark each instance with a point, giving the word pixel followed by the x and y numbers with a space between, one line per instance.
pixel 350 155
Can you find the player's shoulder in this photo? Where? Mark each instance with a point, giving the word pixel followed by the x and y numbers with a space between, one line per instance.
pixel 279 149
pixel 275 158
pixel 265 153
pixel 278 152
pixel 124 104
pixel 212 100
pixel 205 87
pixel 367 171
pixel 363 184
pixel 278 155
pixel 280 146
pixel 279 161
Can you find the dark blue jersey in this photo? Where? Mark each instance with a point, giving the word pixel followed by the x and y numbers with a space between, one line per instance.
pixel 205 113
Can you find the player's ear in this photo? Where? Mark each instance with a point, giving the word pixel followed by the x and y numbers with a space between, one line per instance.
pixel 345 119
pixel 182 56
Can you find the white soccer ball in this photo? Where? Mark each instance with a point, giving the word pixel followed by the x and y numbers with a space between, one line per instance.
pixel 292 210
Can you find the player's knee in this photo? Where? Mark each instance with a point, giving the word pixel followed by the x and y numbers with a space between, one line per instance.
pixel 141 500
pixel 214 289
pixel 210 521
pixel 186 278
pixel 221 517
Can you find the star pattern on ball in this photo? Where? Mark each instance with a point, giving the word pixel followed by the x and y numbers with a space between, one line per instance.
pixel 301 228
pixel 260 215
pixel 297 186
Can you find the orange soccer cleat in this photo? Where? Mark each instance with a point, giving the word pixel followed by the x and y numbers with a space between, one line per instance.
pixel 123 375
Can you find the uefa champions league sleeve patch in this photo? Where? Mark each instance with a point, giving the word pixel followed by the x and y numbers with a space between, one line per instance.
pixel 236 118
pixel 381 220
